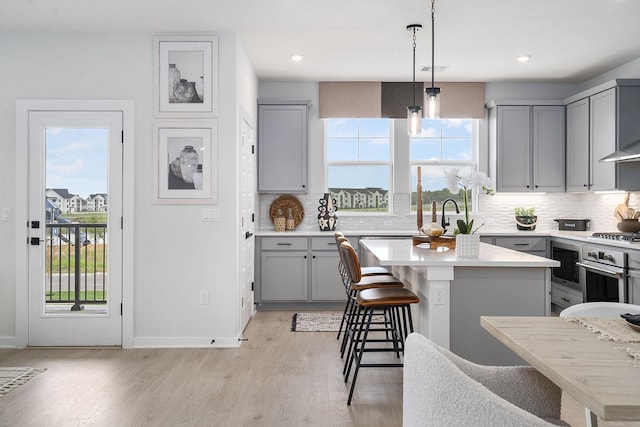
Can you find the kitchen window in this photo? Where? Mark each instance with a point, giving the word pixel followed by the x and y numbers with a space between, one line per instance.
pixel 444 144
pixel 359 172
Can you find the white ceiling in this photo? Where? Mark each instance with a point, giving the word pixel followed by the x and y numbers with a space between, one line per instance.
pixel 343 40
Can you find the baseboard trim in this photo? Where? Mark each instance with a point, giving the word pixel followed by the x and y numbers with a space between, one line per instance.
pixel 185 342
pixel 8 342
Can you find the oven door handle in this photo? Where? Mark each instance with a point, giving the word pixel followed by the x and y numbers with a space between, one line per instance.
pixel 600 270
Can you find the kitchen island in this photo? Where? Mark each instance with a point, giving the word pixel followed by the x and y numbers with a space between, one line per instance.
pixel 454 292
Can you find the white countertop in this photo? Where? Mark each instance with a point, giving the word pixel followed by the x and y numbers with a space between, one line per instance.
pixel 402 252
pixel 581 236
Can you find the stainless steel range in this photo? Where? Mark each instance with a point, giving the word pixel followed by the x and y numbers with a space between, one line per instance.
pixel 617 236
pixel 605 273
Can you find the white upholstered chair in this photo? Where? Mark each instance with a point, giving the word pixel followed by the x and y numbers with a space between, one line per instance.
pixel 442 389
pixel 600 309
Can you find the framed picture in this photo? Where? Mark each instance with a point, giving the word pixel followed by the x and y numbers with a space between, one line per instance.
pixel 186 76
pixel 185 163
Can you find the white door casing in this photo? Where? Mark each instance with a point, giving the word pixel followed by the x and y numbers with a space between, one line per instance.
pixel 247 221
pixel 34 114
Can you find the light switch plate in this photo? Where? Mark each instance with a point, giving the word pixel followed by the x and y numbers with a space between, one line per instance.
pixel 6 214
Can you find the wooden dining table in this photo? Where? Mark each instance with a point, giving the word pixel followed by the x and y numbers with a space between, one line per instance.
pixel 600 374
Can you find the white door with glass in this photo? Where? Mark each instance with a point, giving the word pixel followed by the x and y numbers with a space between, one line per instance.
pixel 75 234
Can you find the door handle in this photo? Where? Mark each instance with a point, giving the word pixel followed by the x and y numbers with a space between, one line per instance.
pixel 35 241
pixel 247 235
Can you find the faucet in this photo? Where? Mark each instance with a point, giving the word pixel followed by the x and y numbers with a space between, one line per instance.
pixel 443 222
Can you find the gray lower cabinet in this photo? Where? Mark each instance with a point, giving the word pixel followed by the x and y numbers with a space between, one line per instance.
pixel 298 271
pixel 284 269
pixel 564 296
pixel 531 245
pixel 325 281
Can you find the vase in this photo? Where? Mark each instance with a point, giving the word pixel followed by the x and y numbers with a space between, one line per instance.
pixel 279 221
pixel 183 91
pixel 468 245
pixel 526 223
pixel 629 225
pixel 188 163
pixel 200 88
pixel 291 222
pixel 327 218
pixel 174 77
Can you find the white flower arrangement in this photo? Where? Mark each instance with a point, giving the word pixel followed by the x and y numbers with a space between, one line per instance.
pixel 455 182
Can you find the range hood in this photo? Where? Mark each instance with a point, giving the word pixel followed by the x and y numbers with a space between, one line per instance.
pixel 630 152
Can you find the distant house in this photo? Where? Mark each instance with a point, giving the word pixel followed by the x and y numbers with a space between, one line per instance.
pixel 65 201
pixel 96 202
pixel 361 198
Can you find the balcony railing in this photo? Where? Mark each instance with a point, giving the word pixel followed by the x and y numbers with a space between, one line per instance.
pixel 76 264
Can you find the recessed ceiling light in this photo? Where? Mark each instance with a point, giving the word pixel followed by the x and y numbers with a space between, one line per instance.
pixel 524 58
pixel 296 57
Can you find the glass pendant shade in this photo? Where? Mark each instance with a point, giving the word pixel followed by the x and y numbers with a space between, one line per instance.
pixel 432 102
pixel 414 120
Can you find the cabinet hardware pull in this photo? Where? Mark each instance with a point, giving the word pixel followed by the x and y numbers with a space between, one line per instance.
pixel 521 244
pixel 284 244
pixel 565 299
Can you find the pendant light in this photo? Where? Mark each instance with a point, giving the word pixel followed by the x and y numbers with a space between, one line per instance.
pixel 414 112
pixel 432 94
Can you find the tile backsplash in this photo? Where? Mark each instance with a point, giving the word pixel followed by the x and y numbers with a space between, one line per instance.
pixel 497 211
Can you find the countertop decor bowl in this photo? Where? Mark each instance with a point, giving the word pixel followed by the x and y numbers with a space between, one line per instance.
pixel 629 225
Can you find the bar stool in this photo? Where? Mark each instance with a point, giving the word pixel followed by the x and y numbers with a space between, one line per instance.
pixel 366 271
pixel 354 282
pixel 396 302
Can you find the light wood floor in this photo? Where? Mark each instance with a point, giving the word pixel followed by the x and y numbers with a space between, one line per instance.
pixel 276 378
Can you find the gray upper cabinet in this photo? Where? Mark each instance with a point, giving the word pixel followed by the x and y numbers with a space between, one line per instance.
pixel 527 146
pixel 578 145
pixel 591 136
pixel 599 122
pixel 602 134
pixel 282 146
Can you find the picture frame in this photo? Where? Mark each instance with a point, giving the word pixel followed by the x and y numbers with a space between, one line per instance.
pixel 185 163
pixel 186 76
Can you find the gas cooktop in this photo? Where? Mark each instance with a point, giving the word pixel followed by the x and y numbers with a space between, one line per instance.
pixel 618 236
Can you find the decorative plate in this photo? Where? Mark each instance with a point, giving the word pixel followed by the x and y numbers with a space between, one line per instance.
pixel 285 202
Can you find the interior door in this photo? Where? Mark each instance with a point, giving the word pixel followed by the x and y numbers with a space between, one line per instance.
pixel 75 234
pixel 247 209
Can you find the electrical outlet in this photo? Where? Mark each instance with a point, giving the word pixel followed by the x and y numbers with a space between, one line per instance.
pixel 204 297
pixel 438 295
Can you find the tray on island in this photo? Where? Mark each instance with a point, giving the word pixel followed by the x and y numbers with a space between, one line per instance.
pixel 435 242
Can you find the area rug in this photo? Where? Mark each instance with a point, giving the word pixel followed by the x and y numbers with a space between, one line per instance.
pixel 316 321
pixel 12 378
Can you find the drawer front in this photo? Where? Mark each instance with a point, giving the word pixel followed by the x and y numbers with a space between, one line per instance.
pixel 283 243
pixel 522 243
pixel 564 297
pixel 324 244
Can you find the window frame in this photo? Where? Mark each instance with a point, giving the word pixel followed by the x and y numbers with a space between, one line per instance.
pixel 355 163
pixel 449 164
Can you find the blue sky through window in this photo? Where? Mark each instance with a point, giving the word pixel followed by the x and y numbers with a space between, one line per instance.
pixel 76 159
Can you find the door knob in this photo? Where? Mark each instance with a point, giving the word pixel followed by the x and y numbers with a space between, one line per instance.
pixel 247 235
